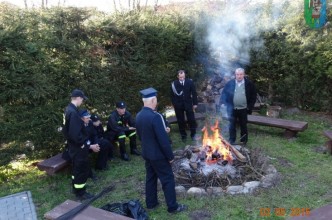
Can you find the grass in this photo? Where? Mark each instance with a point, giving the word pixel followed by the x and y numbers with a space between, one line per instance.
pixel 305 180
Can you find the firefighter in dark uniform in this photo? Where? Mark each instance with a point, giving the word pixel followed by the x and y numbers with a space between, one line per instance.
pixel 78 145
pixel 184 100
pixel 101 161
pixel 102 135
pixel 157 153
pixel 121 125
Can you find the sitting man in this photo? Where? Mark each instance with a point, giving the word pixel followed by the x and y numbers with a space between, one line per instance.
pixel 103 147
pixel 121 124
pixel 101 135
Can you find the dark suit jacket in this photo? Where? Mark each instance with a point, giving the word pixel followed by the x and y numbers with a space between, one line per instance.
pixel 188 98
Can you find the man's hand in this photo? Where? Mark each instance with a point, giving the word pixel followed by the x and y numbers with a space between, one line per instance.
pixel 168 129
pixel 95 147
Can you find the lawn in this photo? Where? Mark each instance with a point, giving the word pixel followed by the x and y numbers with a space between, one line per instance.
pixel 305 184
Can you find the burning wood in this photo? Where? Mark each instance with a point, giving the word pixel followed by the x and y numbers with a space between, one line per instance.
pixel 217 148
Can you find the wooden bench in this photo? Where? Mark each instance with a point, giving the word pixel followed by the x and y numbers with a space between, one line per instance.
pixel 328 143
pixel 53 164
pixel 322 213
pixel 291 127
pixel 87 214
pixel 173 120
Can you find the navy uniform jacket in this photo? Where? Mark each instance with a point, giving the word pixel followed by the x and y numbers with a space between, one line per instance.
pixel 227 95
pixel 92 133
pixel 74 129
pixel 119 123
pixel 151 131
pixel 188 98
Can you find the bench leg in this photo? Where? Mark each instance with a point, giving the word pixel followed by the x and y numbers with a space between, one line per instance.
pixel 328 145
pixel 289 134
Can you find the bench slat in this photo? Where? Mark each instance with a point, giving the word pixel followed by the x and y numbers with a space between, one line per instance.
pixel 53 164
pixel 328 134
pixel 198 116
pixel 278 122
pixel 89 213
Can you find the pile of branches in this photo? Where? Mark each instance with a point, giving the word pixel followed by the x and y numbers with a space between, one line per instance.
pixel 194 177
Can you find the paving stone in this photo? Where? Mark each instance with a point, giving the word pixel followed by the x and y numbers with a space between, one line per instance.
pixel 17 206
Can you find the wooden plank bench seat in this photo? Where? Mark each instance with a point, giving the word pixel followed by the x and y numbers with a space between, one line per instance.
pixel 89 213
pixel 321 213
pixel 198 116
pixel 328 143
pixel 291 127
pixel 53 164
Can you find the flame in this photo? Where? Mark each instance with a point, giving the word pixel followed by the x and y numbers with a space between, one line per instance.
pixel 215 144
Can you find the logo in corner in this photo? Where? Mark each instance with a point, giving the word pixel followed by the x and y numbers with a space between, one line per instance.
pixel 315 13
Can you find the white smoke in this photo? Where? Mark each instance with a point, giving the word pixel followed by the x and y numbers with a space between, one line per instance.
pixel 232 34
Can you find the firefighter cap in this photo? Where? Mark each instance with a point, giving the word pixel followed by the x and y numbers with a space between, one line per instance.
pixel 78 93
pixel 149 92
pixel 84 113
pixel 95 118
pixel 120 104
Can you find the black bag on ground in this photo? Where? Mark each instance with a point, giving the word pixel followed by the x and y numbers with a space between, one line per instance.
pixel 132 209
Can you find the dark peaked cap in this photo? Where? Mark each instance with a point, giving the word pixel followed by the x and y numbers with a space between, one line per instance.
pixel 78 93
pixel 149 92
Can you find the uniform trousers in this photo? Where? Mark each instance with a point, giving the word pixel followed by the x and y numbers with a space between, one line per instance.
pixel 241 116
pixel 80 168
pixel 179 113
pixel 121 138
pixel 106 148
pixel 161 169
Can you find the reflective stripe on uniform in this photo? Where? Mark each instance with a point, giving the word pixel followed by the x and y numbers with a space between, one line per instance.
pixel 122 136
pixel 79 186
pixel 132 134
pixel 119 122
pixel 72 177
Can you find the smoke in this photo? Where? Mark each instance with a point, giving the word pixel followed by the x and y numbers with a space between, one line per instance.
pixel 236 31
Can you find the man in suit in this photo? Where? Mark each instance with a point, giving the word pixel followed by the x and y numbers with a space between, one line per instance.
pixel 184 100
pixel 239 97
pixel 157 153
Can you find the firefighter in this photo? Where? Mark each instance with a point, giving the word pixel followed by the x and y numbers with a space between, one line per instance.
pixel 102 135
pixel 104 145
pixel 121 125
pixel 78 145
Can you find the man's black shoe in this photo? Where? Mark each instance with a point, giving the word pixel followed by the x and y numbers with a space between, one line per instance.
pixel 94 177
pixel 85 196
pixel 125 157
pixel 153 207
pixel 180 208
pixel 135 152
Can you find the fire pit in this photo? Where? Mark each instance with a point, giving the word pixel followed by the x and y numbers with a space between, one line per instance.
pixel 216 163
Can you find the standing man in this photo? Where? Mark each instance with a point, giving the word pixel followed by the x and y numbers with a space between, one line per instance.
pixel 239 97
pixel 157 153
pixel 121 124
pixel 78 144
pixel 184 100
